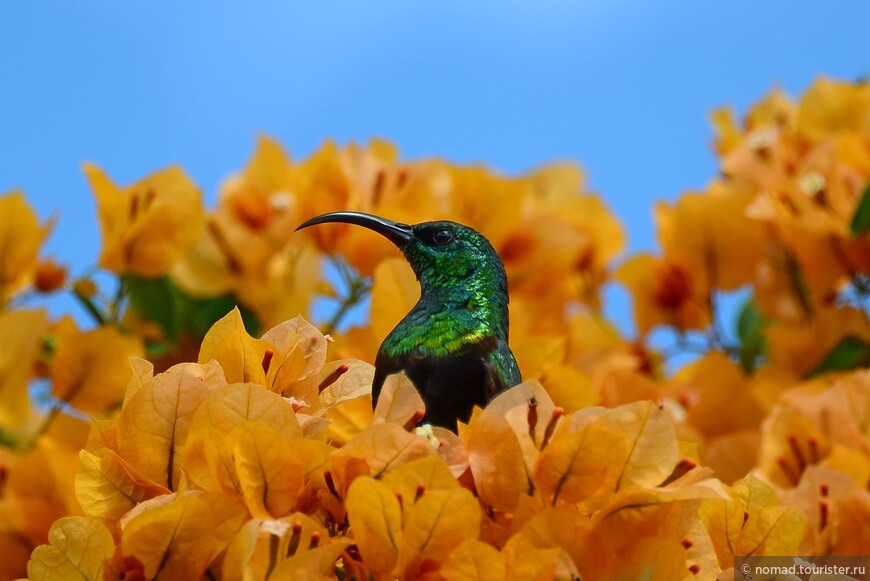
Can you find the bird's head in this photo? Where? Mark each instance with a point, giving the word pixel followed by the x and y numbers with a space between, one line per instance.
pixel 442 254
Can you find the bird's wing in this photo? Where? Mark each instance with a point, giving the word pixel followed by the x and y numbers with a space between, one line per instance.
pixel 504 372
pixel 384 366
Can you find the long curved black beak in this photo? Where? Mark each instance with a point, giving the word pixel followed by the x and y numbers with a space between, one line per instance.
pixel 395 232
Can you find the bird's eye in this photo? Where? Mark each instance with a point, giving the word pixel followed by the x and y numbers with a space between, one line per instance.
pixel 442 237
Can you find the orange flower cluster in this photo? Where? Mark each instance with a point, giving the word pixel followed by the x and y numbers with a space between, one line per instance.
pixel 265 458
pixel 783 216
pixel 551 236
pixel 230 465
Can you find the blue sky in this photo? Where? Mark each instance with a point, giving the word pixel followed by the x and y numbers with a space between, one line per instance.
pixel 621 87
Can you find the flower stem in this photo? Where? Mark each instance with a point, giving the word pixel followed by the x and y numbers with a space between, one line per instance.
pixel 89 306
pixel 357 291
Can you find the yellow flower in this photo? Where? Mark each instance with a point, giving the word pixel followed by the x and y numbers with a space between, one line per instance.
pixel 90 368
pixel 257 210
pixel 774 110
pixel 665 292
pixel 20 238
pixel 806 167
pixel 830 106
pixel 148 226
pixel 797 347
pixel 371 179
pixel 285 286
pixel 765 120
pixel 563 241
pixel 21 334
pixel 711 234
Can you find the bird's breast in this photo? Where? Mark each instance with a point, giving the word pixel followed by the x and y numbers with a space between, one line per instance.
pixel 451 385
pixel 438 334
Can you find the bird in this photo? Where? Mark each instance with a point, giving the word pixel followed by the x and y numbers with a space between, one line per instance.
pixel 453 344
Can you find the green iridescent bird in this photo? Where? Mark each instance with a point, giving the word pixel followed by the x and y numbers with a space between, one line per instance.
pixel 453 345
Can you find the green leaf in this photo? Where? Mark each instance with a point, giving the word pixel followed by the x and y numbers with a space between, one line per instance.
pixel 7 440
pixel 160 301
pixel 861 219
pixel 750 332
pixel 203 313
pixel 849 353
pixel 157 300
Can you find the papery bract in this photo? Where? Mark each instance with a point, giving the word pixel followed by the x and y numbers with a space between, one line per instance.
pixel 90 368
pixel 180 538
pixel 269 471
pixel 77 548
pixel 752 522
pixel 503 445
pixel 149 225
pixel 155 421
pixel 240 355
pixel 375 515
pixel 20 334
pixel 20 238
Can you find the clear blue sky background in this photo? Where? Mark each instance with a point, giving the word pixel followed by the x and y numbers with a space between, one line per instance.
pixel 622 87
